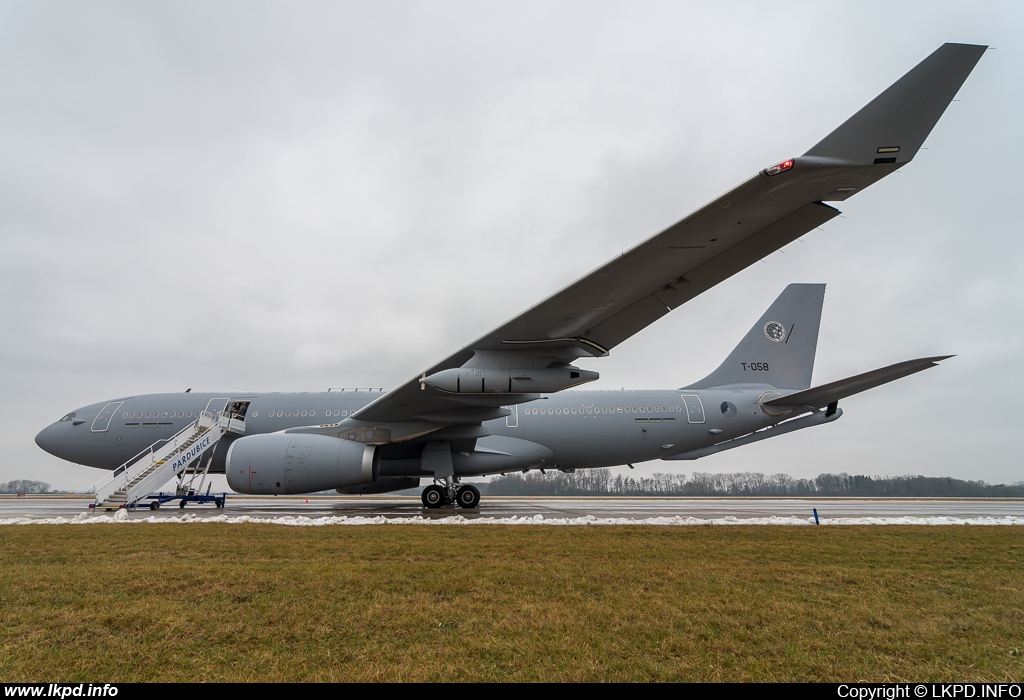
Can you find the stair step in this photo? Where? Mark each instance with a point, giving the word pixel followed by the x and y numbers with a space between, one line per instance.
pixel 148 464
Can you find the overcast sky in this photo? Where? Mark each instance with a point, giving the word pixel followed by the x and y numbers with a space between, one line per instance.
pixel 296 195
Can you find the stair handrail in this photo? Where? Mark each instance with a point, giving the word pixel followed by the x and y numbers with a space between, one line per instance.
pixel 175 462
pixel 159 445
pixel 128 471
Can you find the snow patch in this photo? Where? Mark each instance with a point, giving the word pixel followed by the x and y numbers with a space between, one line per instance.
pixel 122 516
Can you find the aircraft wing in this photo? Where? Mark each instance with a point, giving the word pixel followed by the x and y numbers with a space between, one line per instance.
pixel 771 209
pixel 821 396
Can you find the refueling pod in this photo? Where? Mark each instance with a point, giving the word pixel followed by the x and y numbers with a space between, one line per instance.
pixel 475 380
pixel 281 463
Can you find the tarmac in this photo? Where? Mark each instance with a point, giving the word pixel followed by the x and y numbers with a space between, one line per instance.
pixel 543 509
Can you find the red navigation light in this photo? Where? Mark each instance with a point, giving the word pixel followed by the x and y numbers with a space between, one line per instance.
pixel 779 168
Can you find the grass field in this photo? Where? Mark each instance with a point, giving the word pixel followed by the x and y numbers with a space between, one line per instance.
pixel 256 602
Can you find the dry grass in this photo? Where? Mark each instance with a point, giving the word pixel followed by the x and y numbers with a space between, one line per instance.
pixel 270 603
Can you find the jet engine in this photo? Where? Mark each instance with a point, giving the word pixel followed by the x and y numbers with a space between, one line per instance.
pixel 298 463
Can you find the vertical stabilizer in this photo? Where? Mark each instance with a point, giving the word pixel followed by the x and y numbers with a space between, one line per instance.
pixel 779 349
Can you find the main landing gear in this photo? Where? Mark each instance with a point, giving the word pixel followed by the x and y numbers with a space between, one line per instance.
pixel 463 495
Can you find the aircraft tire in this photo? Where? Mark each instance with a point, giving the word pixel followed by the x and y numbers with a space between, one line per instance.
pixel 433 496
pixel 468 496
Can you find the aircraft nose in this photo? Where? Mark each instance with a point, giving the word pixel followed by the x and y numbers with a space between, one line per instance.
pixel 49 439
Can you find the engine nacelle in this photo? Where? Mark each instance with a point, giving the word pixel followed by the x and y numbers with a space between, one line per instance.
pixel 298 463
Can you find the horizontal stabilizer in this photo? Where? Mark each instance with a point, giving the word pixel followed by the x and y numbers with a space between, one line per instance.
pixel 820 396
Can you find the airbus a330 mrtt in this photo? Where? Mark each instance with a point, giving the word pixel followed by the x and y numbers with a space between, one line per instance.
pixel 499 405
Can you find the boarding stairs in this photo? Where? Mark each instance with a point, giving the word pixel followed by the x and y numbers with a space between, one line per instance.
pixel 165 459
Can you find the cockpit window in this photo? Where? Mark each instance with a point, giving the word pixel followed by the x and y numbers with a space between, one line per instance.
pixel 67 418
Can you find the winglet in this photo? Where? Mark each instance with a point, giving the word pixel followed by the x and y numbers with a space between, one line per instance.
pixel 892 127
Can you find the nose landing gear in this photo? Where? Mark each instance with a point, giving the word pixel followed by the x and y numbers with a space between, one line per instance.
pixel 463 495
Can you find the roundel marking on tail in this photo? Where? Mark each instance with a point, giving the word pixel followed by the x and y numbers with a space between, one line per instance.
pixel 775 331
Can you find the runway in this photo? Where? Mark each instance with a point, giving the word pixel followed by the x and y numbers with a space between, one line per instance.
pixel 552 510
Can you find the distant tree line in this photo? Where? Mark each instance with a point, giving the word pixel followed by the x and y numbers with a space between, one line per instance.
pixel 24 486
pixel 599 482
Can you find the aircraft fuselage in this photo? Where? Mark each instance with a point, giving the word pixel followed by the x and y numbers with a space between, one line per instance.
pixel 574 430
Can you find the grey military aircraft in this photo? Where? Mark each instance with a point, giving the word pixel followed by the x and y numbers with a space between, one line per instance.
pixel 499 405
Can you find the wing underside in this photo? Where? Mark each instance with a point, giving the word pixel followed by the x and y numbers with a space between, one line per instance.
pixel 533 352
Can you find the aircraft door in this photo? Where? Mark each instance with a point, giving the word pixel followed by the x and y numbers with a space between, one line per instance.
pixel 102 421
pixel 512 419
pixel 694 408
pixel 217 406
pixel 237 411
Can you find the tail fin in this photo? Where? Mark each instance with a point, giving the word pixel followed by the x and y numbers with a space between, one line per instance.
pixel 779 349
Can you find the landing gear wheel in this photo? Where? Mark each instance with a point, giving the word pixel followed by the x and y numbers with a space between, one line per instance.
pixel 433 496
pixel 153 505
pixel 468 496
